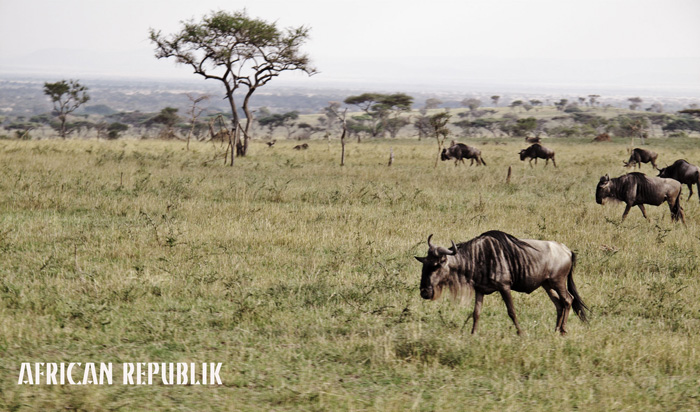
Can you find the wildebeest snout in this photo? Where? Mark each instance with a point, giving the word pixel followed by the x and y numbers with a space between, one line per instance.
pixel 426 292
pixel 598 199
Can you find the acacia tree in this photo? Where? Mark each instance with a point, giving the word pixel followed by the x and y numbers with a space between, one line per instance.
pixel 194 113
pixel 168 118
pixel 381 110
pixel 438 128
pixel 66 98
pixel 635 102
pixel 241 52
pixel 286 120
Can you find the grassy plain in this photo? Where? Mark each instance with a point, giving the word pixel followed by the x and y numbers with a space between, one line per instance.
pixel 298 275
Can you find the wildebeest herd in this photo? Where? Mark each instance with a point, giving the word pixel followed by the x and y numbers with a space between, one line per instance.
pixel 498 262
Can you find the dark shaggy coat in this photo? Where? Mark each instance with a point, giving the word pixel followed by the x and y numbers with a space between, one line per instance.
pixel 498 262
pixel 461 151
pixel 537 151
pixel 683 172
pixel 638 189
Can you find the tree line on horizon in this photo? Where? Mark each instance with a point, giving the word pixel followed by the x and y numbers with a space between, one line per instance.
pixel 244 54
pixel 373 115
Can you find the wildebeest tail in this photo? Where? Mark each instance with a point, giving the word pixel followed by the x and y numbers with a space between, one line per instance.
pixel 580 308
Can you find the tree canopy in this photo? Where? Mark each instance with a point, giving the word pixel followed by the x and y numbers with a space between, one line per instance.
pixel 382 111
pixel 241 52
pixel 66 98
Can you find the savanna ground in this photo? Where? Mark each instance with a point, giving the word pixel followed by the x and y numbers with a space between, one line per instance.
pixel 298 275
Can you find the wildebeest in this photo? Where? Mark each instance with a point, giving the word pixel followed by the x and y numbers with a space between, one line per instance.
pixel 460 151
pixel 638 189
pixel 538 151
pixel 271 143
pixel 301 146
pixel 639 156
pixel 498 262
pixel 684 172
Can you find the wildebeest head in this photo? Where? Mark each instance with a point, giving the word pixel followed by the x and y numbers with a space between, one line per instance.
pixel 665 172
pixel 444 155
pixel 523 154
pixel 603 190
pixel 436 271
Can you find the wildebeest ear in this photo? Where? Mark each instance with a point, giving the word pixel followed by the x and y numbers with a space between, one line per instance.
pixel 420 259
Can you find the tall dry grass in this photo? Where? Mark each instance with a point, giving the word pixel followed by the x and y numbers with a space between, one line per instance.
pixel 299 276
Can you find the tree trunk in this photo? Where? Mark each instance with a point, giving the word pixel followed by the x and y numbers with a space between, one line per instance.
pixel 342 145
pixel 249 119
pixel 233 136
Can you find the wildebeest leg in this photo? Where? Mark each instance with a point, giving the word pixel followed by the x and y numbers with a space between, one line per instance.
pixel 674 206
pixel 627 210
pixel 565 300
pixel 478 300
pixel 554 162
pixel 508 299
pixel 546 162
pixel 644 212
pixel 690 187
pixel 531 162
pixel 555 299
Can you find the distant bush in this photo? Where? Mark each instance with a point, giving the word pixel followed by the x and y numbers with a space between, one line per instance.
pixel 115 129
pixel 101 109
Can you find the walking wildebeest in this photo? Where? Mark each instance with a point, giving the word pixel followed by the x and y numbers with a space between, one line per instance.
pixel 640 156
pixel 638 189
pixel 684 172
pixel 498 262
pixel 460 151
pixel 538 151
pixel 301 146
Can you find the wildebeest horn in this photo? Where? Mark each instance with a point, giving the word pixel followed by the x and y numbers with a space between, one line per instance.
pixel 439 250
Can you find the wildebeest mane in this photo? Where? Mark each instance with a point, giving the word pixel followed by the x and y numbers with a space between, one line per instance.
pixel 645 189
pixel 487 253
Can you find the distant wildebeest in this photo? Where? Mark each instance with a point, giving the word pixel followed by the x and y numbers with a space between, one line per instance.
pixel 460 151
pixel 271 143
pixel 639 156
pixel 498 262
pixel 684 172
pixel 638 189
pixel 301 146
pixel 538 151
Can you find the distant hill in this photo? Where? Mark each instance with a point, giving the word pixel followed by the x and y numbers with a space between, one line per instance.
pixel 23 96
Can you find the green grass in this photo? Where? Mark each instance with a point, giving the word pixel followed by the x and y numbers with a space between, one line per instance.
pixel 298 275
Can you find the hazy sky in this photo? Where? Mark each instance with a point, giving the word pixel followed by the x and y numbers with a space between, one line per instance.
pixel 635 43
